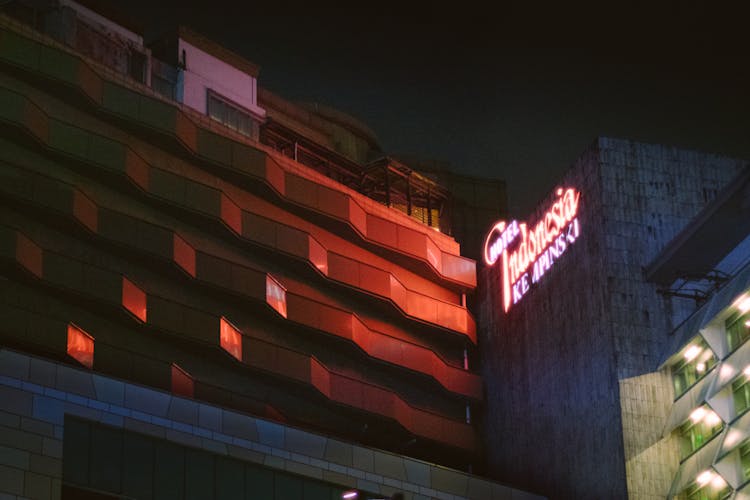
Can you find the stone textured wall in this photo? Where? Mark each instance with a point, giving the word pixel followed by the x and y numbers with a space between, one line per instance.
pixel 651 459
pixel 552 365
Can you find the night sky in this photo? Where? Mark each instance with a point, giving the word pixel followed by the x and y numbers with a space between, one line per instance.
pixel 516 96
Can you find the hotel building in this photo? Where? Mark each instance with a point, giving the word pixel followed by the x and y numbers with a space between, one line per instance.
pixel 208 291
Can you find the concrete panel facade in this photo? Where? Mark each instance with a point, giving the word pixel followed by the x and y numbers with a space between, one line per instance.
pixel 554 364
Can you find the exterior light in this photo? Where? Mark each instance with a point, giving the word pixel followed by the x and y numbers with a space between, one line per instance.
pixel 712 419
pixel 743 304
pixel 704 477
pixel 692 352
pixel 746 371
pixel 747 323
pixel 718 482
pixel 350 495
pixel 700 367
pixel 698 414
pixel 732 437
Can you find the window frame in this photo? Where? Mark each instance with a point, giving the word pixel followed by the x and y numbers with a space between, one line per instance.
pixel 683 364
pixel 241 114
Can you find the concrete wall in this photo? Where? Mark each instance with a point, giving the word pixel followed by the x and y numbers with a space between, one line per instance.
pixel 204 71
pixel 553 364
pixel 651 459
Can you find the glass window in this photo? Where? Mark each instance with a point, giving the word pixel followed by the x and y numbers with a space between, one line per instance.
pixel 230 115
pixel 696 360
pixel 182 382
pixel 230 339
pixel 745 460
pixel 702 425
pixel 741 394
pixel 738 330
pixel 706 492
pixel 276 295
pixel 80 346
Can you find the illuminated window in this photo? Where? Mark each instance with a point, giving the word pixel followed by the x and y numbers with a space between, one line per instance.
pixel 738 330
pixel 702 425
pixel 741 394
pixel 708 486
pixel 134 299
pixel 696 360
pixel 745 460
pixel 276 295
pixel 80 346
pixel 231 115
pixel 182 383
pixel 230 339
pixel 431 216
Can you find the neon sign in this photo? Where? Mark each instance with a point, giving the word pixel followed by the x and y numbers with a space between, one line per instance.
pixel 528 252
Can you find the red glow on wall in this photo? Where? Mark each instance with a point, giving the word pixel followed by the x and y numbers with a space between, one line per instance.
pixel 230 339
pixel 80 346
pixel 182 383
pixel 134 299
pixel 523 249
pixel 29 255
pixel 276 295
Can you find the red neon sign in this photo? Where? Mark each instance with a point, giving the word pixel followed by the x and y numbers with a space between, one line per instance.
pixel 522 248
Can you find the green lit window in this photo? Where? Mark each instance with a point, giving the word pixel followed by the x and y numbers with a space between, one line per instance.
pixel 738 330
pixel 696 360
pixel 230 115
pixel 702 425
pixel 741 395
pixel 745 460
pixel 709 486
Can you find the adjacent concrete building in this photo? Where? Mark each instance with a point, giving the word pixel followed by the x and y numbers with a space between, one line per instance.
pixel 584 304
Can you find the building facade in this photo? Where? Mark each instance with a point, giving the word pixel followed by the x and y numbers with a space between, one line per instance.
pixel 210 292
pixel 610 328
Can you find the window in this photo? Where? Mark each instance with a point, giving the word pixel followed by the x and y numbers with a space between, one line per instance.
pixel 231 115
pixel 702 425
pixel 276 295
pixel 745 460
pixel 738 330
pixel 696 360
pixel 230 339
pixel 741 394
pixel 80 346
pixel 709 491
pixel 134 299
pixel 182 383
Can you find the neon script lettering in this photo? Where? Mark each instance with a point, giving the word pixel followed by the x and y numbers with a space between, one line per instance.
pixel 528 252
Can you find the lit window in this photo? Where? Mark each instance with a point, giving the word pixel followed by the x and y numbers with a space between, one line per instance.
pixel 231 115
pixel 745 460
pixel 182 383
pixel 80 346
pixel 738 330
pixel 696 360
pixel 741 394
pixel 708 485
pixel 276 295
pixel 701 426
pixel 230 339
pixel 134 299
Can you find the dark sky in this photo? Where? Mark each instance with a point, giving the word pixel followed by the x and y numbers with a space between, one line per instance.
pixel 516 92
